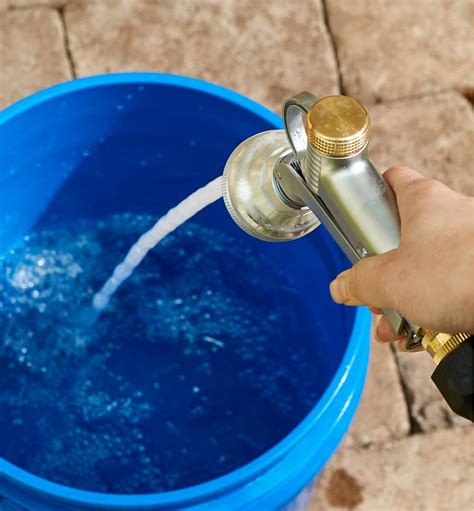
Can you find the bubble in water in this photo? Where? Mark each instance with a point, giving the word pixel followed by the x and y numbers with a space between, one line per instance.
pixel 120 402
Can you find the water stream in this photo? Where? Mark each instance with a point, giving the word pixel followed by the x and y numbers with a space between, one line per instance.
pixel 175 217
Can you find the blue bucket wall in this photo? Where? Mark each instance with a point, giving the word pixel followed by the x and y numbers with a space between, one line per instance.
pixel 141 143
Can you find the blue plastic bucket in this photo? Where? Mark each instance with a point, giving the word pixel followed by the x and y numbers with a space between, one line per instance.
pixel 44 141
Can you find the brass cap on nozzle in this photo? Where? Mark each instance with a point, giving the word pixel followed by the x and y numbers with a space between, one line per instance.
pixel 338 126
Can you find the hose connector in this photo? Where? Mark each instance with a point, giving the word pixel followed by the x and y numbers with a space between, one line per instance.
pixel 439 344
pixel 453 355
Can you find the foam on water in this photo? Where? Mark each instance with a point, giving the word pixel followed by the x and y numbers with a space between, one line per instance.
pixel 188 373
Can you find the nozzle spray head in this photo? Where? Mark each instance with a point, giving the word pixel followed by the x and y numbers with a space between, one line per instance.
pixel 252 193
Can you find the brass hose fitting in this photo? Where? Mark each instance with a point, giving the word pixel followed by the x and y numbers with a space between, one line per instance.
pixel 439 344
pixel 453 355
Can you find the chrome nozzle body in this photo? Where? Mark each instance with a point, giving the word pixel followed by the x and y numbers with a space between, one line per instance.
pixel 280 188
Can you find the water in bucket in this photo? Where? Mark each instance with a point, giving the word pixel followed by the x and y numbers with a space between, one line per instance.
pixel 182 377
pixel 218 353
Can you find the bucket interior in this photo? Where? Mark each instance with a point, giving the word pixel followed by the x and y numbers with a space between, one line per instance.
pixel 143 404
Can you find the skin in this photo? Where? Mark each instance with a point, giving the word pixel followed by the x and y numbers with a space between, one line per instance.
pixel 430 277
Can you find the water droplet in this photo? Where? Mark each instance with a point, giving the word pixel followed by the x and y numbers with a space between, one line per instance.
pixel 86 153
pixel 119 107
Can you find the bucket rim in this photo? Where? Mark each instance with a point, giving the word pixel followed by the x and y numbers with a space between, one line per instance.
pixel 200 493
pixel 138 78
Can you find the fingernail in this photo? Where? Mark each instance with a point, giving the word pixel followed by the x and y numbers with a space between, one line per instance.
pixel 338 290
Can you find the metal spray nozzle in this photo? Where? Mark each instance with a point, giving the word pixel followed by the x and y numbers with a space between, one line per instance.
pixel 280 185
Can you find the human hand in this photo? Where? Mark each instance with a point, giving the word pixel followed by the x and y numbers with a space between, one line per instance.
pixel 429 279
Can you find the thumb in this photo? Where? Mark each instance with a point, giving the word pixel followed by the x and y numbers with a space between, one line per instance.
pixel 368 282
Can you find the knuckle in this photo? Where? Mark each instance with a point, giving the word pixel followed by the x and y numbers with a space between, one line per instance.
pixel 391 170
pixel 422 188
pixel 419 196
pixel 392 173
pixel 396 169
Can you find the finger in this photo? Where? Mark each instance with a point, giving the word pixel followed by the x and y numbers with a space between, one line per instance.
pixel 384 332
pixel 399 177
pixel 376 310
pixel 369 282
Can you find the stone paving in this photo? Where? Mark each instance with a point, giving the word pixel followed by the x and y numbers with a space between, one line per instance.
pixel 411 61
pixel 394 49
pixel 32 54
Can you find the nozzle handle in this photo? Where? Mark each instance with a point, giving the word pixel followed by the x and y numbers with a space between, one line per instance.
pixel 294 115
